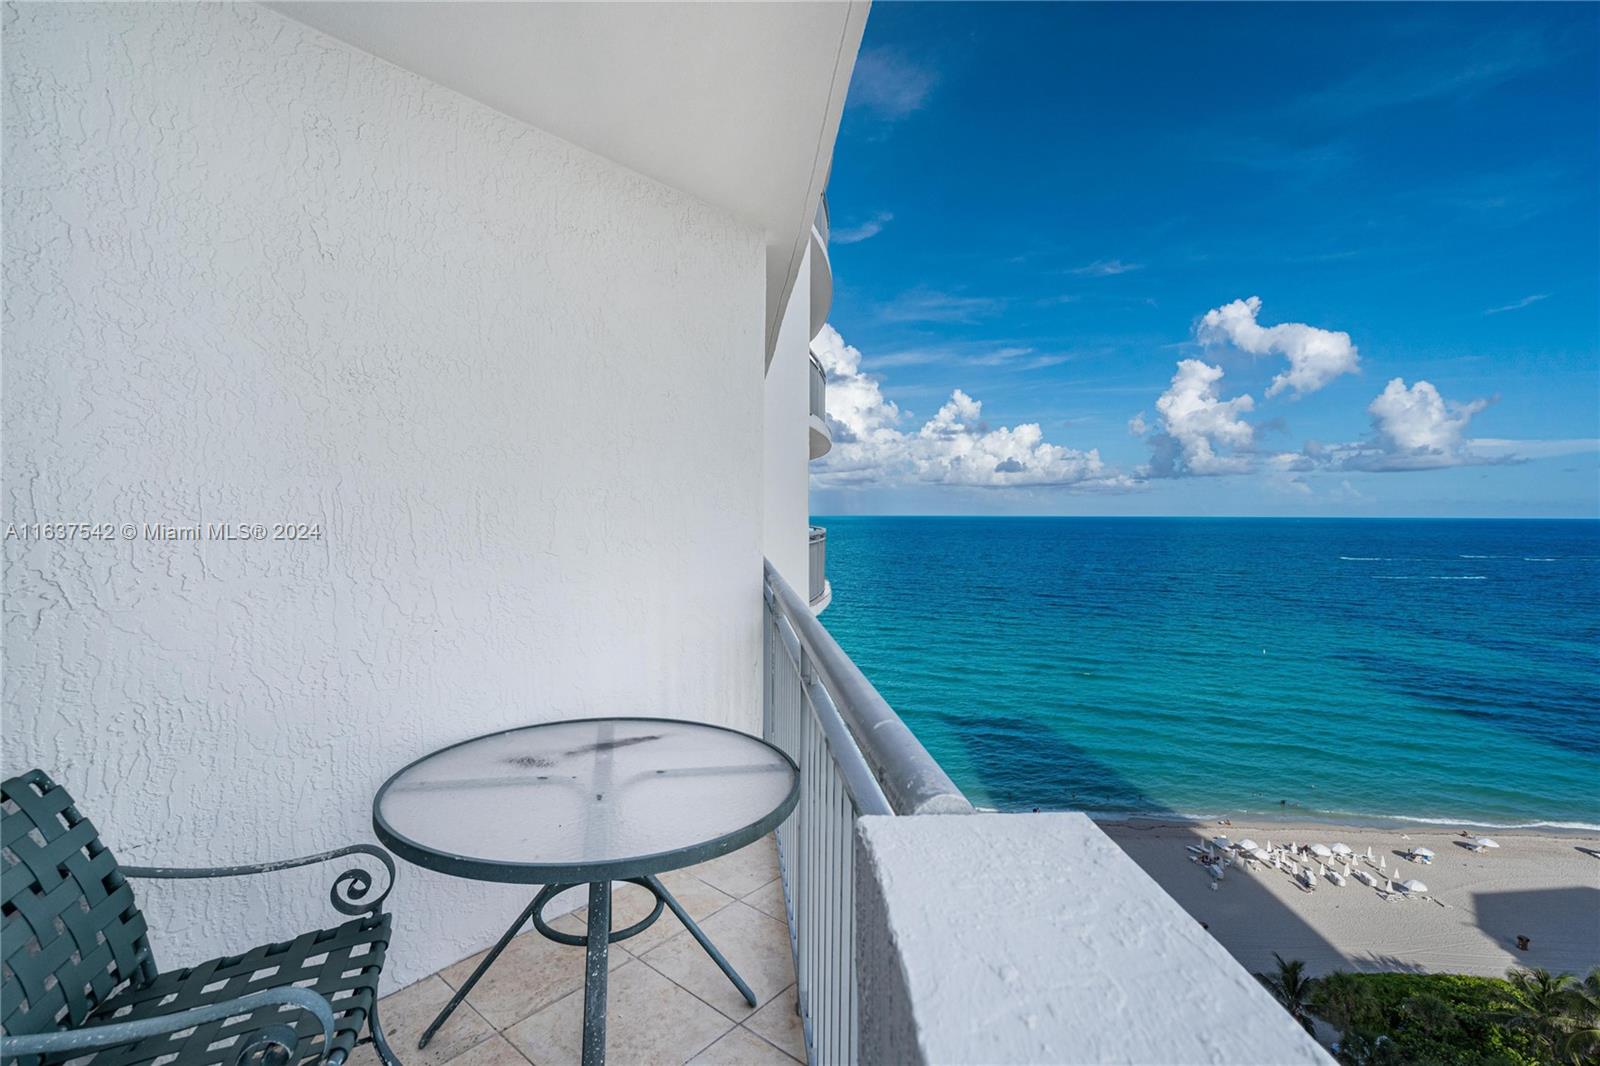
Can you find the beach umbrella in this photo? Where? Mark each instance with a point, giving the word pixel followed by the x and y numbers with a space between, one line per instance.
pixel 1248 845
pixel 1221 842
pixel 1422 854
pixel 1483 842
pixel 1269 845
pixel 1382 863
pixel 1322 871
pixel 1388 884
pixel 1369 852
pixel 1413 886
pixel 1321 851
pixel 1347 869
pixel 1340 849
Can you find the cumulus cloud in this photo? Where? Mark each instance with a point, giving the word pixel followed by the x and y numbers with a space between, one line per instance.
pixel 865 231
pixel 1194 422
pixel 954 447
pixel 1316 356
pixel 1414 428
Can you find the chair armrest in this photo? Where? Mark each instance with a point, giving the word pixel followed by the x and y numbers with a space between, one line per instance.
pixel 347 895
pixel 89 1037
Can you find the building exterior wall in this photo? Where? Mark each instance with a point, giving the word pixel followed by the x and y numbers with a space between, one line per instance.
pixel 787 477
pixel 516 389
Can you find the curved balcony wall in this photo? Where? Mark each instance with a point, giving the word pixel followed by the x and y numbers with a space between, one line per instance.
pixel 821 436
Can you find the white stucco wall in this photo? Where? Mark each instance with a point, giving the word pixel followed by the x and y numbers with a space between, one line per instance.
pixel 1030 938
pixel 787 479
pixel 255 275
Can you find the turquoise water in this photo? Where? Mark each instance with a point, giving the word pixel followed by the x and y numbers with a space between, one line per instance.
pixel 1441 670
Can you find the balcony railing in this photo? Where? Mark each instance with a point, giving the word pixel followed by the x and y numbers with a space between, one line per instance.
pixel 817 542
pixel 821 438
pixel 856 758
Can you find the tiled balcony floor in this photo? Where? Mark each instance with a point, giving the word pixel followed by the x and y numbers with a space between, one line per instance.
pixel 668 1001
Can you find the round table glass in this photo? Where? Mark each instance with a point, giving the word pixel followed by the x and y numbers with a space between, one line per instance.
pixel 584 800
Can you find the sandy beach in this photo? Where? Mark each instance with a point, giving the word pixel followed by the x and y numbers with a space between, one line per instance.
pixel 1542 886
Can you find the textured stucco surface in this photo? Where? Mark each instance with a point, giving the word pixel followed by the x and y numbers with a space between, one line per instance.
pixel 1033 938
pixel 255 275
pixel 787 455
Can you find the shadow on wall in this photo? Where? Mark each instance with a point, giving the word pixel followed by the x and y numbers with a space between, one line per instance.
pixel 1562 926
pixel 1049 772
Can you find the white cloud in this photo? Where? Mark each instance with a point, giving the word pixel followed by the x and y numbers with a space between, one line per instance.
pixel 927 305
pixel 1414 428
pixel 954 447
pixel 865 231
pixel 1526 301
pixel 1418 421
pixel 888 84
pixel 1106 268
pixel 1316 356
pixel 1194 422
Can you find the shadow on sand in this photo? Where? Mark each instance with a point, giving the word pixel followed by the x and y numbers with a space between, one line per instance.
pixel 1049 773
pixel 1562 926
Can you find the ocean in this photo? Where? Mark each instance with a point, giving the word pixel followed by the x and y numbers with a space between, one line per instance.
pixel 1373 670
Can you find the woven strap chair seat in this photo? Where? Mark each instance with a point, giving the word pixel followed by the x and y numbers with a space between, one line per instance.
pixel 340 963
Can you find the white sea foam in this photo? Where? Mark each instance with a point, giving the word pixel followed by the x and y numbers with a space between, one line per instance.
pixel 1539 559
pixel 1365 559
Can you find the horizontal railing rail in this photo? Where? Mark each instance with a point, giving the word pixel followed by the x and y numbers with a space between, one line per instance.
pixel 912 780
pixel 820 709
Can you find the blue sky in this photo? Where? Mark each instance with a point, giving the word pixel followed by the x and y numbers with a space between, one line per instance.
pixel 1060 211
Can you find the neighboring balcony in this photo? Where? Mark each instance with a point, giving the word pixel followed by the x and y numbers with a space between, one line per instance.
pixel 821 438
pixel 821 592
pixel 821 270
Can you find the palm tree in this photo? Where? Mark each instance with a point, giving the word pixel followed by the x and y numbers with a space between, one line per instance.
pixel 1584 1010
pixel 1543 1003
pixel 1293 989
pixel 1344 1000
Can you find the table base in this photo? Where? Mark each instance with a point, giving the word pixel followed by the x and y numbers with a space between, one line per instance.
pixel 596 942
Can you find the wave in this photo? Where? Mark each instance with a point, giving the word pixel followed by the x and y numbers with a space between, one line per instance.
pixel 1366 558
pixel 1351 818
pixel 1539 559
pixel 1426 577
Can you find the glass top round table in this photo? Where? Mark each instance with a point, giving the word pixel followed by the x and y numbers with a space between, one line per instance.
pixel 585 800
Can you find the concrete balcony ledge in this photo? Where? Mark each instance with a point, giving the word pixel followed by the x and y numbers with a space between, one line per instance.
pixel 1028 938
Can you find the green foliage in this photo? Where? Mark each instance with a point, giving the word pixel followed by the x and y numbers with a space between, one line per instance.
pixel 1401 1019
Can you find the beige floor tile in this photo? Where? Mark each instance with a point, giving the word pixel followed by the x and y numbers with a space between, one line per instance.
pixel 631 903
pixel 406 1013
pixel 741 1048
pixel 756 945
pixel 768 899
pixel 649 1020
pixel 741 872
pixel 530 974
pixel 779 1023
pixel 496 1051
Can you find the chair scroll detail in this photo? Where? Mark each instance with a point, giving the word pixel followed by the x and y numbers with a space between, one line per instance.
pixel 80 978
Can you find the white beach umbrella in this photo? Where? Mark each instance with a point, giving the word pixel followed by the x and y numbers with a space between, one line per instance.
pixel 1388 884
pixel 1413 886
pixel 1483 842
pixel 1383 863
pixel 1369 852
pixel 1269 845
pixel 1347 869
pixel 1321 851
pixel 1322 871
pixel 1260 854
pixel 1340 849
pixel 1221 842
pixel 1422 854
pixel 1248 845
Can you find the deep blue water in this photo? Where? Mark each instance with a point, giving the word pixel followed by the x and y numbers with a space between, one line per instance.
pixel 1435 669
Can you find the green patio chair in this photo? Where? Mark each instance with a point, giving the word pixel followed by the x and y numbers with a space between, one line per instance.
pixel 80 981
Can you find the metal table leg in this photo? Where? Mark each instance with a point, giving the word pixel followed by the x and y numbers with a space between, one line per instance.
pixel 594 977
pixel 688 923
pixel 488 960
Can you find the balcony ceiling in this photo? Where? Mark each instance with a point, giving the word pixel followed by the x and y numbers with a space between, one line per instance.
pixel 736 104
